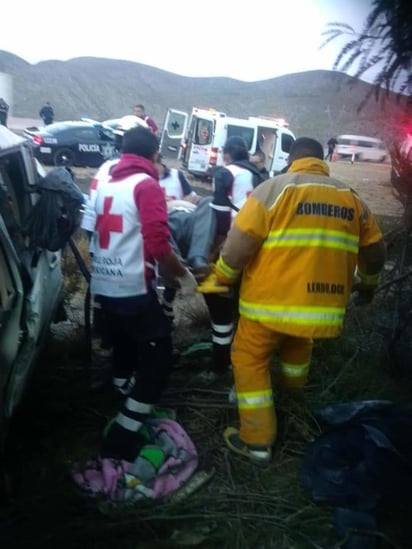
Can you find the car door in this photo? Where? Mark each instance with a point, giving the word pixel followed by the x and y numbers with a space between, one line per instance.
pixel 284 143
pixel 42 283
pixel 174 130
pixel 267 138
pixel 107 141
pixel 199 144
pixel 88 146
pixel 42 265
pixel 11 308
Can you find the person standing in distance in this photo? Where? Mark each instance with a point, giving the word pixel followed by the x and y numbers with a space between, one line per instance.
pixel 138 110
pixel 4 111
pixel 47 114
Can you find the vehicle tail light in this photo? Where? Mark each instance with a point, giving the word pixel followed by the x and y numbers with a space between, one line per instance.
pixel 213 156
pixel 38 140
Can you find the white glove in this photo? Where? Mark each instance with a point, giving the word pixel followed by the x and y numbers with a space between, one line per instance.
pixel 187 283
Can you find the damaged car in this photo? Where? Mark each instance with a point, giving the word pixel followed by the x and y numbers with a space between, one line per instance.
pixel 31 280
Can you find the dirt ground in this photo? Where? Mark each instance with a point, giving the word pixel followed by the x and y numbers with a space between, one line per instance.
pixel 372 182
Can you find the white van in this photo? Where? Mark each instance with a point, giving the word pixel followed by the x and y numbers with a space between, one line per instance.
pixel 198 140
pixel 361 147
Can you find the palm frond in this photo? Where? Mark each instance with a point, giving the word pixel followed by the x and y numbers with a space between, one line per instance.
pixel 340 25
pixel 329 39
pixel 384 42
pixel 350 61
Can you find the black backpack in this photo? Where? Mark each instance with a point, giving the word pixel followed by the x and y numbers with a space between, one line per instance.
pixel 57 214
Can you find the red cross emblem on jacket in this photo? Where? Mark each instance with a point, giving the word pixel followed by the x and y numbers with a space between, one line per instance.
pixel 107 223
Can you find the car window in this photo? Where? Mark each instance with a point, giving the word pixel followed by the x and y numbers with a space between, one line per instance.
pixel 106 134
pixel 286 142
pixel 13 182
pixel 84 134
pixel 246 133
pixel 56 128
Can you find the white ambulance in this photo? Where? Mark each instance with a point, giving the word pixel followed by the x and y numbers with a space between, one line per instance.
pixel 198 140
pixel 275 139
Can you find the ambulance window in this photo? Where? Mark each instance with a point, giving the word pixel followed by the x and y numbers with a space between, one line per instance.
pixel 287 142
pixel 246 133
pixel 176 125
pixel 203 132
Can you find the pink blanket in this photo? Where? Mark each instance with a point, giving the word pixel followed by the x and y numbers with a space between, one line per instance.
pixel 121 481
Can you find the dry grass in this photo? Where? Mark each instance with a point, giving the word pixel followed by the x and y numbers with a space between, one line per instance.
pixel 242 506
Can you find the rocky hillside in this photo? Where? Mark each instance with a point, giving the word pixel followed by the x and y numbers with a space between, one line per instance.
pixel 316 103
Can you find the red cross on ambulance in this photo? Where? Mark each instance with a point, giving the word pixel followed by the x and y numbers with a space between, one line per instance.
pixel 108 223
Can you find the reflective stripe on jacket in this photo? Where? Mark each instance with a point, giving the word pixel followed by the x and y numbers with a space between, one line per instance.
pixel 297 240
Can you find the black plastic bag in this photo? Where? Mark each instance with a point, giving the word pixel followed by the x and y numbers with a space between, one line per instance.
pixel 362 462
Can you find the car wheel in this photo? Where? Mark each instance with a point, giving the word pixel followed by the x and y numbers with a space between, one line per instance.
pixel 63 157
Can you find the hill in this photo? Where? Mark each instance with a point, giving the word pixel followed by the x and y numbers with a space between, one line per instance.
pixel 316 103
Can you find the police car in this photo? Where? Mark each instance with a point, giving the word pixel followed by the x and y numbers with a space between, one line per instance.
pixel 74 143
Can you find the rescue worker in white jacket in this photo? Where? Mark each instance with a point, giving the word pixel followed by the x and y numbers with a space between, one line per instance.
pixel 130 236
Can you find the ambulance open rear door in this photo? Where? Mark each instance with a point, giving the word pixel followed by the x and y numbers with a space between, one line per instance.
pixel 174 130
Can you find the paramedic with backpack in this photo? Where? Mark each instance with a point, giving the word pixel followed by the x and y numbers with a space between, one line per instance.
pixel 130 237
pixel 296 244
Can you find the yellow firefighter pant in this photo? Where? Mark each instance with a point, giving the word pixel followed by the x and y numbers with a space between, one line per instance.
pixel 253 347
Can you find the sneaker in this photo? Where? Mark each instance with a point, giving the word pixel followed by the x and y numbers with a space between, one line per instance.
pixel 259 455
pixel 124 387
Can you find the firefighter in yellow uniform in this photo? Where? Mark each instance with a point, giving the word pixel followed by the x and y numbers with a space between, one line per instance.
pixel 296 243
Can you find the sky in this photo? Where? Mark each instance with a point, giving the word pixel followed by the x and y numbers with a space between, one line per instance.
pixel 249 40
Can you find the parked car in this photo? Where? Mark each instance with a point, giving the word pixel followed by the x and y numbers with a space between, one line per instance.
pixel 401 172
pixel 75 143
pixel 361 147
pixel 31 281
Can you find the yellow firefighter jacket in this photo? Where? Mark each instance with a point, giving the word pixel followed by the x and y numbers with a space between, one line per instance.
pixel 297 240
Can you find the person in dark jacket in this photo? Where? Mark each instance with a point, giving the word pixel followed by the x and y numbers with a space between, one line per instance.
pixel 258 159
pixel 4 111
pixel 232 185
pixel 331 148
pixel 47 114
